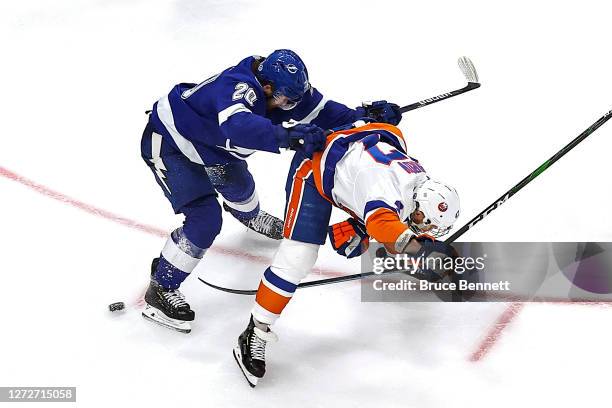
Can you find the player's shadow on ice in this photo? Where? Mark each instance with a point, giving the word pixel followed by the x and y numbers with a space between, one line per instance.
pixel 254 242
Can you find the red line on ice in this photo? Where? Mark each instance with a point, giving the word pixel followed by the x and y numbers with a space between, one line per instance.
pixel 46 191
pixel 496 331
pixel 39 188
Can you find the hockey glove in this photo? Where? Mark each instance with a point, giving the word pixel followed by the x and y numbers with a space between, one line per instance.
pixel 436 258
pixel 349 238
pixel 305 138
pixel 381 111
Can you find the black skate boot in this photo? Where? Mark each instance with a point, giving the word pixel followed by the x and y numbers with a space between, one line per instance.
pixel 167 307
pixel 250 354
pixel 263 223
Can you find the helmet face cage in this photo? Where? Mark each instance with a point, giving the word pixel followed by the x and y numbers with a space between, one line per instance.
pixel 285 98
pixel 422 228
pixel 283 102
pixel 291 94
pixel 439 205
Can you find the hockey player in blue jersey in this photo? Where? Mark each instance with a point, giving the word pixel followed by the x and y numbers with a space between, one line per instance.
pixel 196 142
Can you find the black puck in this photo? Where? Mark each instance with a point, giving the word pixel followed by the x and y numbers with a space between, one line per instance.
pixel 115 307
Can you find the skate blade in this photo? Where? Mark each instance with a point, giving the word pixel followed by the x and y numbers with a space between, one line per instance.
pixel 157 316
pixel 251 379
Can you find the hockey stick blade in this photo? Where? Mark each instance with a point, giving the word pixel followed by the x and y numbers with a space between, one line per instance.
pixel 469 72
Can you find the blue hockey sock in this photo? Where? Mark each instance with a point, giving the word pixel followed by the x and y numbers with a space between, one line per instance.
pixel 168 275
pixel 178 258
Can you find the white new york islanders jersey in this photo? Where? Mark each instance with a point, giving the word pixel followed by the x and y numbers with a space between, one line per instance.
pixel 367 172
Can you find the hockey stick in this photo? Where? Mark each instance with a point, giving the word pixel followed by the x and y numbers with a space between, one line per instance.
pixel 467 226
pixel 467 67
pixel 310 284
pixel 531 176
pixel 317 282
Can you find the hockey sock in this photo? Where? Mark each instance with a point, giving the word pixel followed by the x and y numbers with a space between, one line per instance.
pixel 178 258
pixel 273 294
pixel 261 326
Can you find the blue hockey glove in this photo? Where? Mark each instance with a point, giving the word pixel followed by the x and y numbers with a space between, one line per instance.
pixel 435 256
pixel 349 238
pixel 306 138
pixel 381 111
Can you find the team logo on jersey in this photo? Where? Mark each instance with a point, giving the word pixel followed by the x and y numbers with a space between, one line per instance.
pixel 442 206
pixel 292 68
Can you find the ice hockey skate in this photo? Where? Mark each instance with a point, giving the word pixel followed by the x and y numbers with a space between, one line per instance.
pixel 250 353
pixel 264 223
pixel 167 307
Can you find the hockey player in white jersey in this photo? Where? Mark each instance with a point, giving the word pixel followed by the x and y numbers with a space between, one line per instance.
pixel 366 172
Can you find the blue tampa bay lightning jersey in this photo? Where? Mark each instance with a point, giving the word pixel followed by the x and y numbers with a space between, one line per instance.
pixel 224 118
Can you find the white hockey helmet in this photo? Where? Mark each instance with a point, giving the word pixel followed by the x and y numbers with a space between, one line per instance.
pixel 439 203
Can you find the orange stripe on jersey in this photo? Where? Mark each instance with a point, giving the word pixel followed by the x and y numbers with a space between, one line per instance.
pixel 270 300
pixel 385 226
pixel 295 198
pixel 317 156
pixel 370 126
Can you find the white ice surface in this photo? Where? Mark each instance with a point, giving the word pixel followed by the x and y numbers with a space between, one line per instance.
pixel 76 77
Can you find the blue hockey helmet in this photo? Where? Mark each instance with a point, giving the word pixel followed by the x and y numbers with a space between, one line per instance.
pixel 287 74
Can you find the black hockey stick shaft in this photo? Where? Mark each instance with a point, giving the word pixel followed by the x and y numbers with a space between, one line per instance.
pixel 469 87
pixel 467 226
pixel 310 284
pixel 530 177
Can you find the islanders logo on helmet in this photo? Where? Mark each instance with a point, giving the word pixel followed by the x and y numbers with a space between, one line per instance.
pixel 287 73
pixel 439 204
